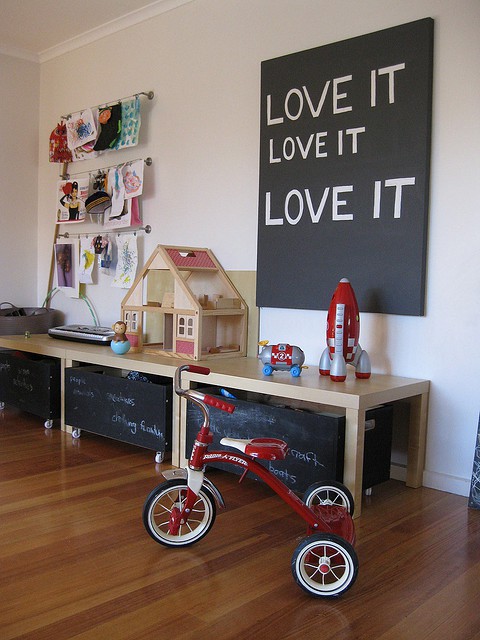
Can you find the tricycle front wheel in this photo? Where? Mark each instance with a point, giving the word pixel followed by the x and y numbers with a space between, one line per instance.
pixel 167 500
pixel 325 565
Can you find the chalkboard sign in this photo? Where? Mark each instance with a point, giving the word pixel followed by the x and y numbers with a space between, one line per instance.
pixel 345 133
pixel 474 497
pixel 31 383
pixel 316 441
pixel 131 411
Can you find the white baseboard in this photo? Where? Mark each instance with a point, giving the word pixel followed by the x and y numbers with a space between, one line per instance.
pixel 398 472
pixel 432 480
pixel 444 482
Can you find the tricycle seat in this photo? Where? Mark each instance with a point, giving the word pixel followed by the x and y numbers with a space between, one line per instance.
pixel 263 448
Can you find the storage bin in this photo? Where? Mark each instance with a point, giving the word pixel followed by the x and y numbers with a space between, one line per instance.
pixel 378 446
pixel 316 440
pixel 31 383
pixel 132 411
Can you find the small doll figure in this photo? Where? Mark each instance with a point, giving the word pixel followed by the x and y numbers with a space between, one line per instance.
pixel 120 328
pixel 98 245
pixel 120 343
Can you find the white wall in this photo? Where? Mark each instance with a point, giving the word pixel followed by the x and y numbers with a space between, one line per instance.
pixel 19 99
pixel 202 131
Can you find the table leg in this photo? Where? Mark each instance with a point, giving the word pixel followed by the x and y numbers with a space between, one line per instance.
pixel 178 428
pixel 353 462
pixel 417 435
pixel 64 363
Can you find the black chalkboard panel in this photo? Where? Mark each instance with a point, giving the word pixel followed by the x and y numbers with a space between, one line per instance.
pixel 345 133
pixel 131 411
pixel 31 383
pixel 316 441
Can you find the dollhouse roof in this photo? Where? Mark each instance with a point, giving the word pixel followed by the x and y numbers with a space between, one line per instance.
pixel 186 265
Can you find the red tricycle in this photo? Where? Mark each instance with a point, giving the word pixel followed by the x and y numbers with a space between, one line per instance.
pixel 182 510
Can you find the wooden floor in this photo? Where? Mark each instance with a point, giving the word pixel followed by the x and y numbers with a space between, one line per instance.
pixel 76 562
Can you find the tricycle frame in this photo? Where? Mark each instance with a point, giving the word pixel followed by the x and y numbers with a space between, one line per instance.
pixel 182 510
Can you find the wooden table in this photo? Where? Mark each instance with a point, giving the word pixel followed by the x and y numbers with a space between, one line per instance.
pixel 353 396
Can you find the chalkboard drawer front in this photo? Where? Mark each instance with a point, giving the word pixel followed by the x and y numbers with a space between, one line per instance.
pixel 378 446
pixel 316 441
pixel 31 383
pixel 131 411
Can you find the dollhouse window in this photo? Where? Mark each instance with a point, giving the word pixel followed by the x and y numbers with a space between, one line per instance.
pixel 185 327
pixel 181 327
pixel 131 320
pixel 134 321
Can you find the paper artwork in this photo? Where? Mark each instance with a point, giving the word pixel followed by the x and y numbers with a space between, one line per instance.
pixel 71 196
pixel 66 267
pixel 115 183
pixel 127 261
pixel 58 150
pixel 81 128
pixel 87 261
pixel 130 216
pixel 133 178
pixel 130 123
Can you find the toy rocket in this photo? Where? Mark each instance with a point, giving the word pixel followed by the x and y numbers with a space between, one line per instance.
pixel 343 330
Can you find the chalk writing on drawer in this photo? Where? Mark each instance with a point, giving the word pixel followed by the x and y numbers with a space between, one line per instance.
pixel 118 397
pixel 283 474
pixel 309 457
pixel 87 393
pixel 22 379
pixel 134 427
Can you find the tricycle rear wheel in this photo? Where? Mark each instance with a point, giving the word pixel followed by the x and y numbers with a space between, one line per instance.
pixel 329 493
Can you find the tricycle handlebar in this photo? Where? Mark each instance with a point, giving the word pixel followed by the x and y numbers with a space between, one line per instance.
pixel 218 404
pixel 195 368
pixel 198 397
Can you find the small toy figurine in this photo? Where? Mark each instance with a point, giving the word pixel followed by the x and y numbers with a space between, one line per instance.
pixel 281 357
pixel 120 328
pixel 343 330
pixel 120 343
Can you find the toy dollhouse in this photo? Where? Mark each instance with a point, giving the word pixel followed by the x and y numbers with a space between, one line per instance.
pixel 183 304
